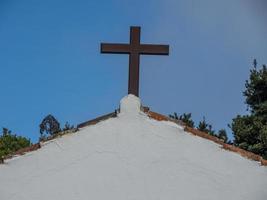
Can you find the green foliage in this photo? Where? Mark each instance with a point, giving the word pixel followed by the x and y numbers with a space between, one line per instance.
pixel 223 135
pixel 186 118
pixel 205 127
pixel 67 127
pixel 250 131
pixel 256 87
pixel 49 126
pixel 10 143
pixel 202 126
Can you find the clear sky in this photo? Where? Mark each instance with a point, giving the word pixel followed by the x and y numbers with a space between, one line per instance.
pixel 50 59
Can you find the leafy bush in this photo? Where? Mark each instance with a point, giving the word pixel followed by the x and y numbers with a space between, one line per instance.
pixel 10 143
pixel 205 127
pixel 186 118
pixel 67 127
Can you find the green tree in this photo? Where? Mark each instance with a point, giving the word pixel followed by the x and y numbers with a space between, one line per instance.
pixel 256 88
pixel 185 117
pixel 10 143
pixel 49 126
pixel 250 131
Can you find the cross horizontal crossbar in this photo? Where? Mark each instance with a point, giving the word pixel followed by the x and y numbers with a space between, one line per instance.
pixel 145 49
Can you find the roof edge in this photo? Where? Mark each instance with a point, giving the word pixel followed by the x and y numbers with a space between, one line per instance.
pixel 158 117
pixel 98 119
pixel 229 147
pixel 196 132
pixel 22 151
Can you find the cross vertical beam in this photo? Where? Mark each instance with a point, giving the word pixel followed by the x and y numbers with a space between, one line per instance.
pixel 134 49
pixel 134 61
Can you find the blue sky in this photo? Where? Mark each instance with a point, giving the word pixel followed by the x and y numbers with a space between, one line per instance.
pixel 50 60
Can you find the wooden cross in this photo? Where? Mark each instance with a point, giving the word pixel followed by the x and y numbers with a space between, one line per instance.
pixel 134 49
